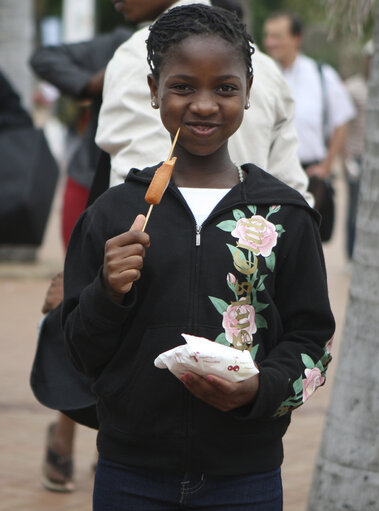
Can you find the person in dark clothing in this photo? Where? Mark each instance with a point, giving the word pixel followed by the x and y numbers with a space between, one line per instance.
pixel 77 70
pixel 12 113
pixel 232 255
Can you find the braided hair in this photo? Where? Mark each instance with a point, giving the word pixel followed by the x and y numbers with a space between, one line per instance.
pixel 197 19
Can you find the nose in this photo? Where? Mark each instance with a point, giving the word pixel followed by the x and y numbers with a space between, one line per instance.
pixel 204 104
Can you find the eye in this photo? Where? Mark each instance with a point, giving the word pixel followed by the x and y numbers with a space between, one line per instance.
pixel 227 88
pixel 181 87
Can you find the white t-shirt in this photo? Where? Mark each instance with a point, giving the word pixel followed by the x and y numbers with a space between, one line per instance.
pixel 131 131
pixel 304 79
pixel 202 201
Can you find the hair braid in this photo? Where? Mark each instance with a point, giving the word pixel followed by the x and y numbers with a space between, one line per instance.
pixel 181 22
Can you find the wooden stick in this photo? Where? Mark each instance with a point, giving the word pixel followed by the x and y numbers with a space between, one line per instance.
pixel 147 217
pixel 173 144
pixel 169 158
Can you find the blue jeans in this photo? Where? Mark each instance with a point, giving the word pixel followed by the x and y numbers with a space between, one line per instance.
pixel 123 488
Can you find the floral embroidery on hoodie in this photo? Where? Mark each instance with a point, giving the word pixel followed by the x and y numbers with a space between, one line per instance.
pixel 305 386
pixel 256 238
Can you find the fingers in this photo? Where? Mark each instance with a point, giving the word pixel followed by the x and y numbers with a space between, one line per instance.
pixel 122 273
pixel 138 223
pixel 123 259
pixel 220 393
pixel 211 389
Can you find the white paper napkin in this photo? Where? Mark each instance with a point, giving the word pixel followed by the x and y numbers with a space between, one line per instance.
pixel 203 357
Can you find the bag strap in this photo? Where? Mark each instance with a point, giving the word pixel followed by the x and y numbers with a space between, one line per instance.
pixel 324 101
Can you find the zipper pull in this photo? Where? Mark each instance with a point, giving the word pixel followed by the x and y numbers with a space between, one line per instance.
pixel 198 229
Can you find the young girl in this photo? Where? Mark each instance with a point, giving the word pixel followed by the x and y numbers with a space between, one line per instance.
pixel 232 255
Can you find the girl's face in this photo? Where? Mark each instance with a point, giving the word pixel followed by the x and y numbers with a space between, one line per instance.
pixel 203 89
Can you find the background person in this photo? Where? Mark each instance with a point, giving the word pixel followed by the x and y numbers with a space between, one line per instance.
pixel 323 106
pixel 131 132
pixel 12 114
pixel 77 70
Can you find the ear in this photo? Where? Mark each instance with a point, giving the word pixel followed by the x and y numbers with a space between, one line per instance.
pixel 153 85
pixel 248 89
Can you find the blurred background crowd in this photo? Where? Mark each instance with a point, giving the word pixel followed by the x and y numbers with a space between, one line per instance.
pixel 53 55
pixel 60 89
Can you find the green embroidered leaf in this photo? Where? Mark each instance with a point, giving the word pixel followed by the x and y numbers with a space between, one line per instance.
pixel 279 229
pixel 238 257
pixel 233 249
pixel 320 366
pixel 237 213
pixel 273 209
pixel 261 286
pixel 260 321
pixel 259 306
pixel 270 261
pixel 292 402
pixel 219 304
pixel 298 386
pixel 221 339
pixel 253 351
pixel 307 361
pixel 227 225
pixel 253 209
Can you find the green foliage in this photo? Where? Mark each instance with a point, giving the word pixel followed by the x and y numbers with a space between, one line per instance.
pixel 48 7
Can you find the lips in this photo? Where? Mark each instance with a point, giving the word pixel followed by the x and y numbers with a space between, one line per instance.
pixel 202 129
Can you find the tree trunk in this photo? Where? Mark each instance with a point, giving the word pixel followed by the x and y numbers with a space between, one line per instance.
pixel 16 44
pixel 346 475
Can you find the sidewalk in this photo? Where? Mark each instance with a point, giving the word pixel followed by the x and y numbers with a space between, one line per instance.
pixel 23 420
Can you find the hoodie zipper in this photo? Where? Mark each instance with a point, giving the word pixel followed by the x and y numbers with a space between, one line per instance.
pixel 198 235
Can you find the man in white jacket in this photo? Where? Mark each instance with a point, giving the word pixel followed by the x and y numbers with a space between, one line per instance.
pixel 130 130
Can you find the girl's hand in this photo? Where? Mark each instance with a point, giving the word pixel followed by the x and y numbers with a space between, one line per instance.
pixel 222 394
pixel 123 260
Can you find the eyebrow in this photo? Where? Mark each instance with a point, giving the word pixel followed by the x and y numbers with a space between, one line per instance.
pixel 189 77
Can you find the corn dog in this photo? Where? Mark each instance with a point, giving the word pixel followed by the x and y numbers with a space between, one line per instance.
pixel 160 182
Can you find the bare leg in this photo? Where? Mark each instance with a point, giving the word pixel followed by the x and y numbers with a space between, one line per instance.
pixel 62 438
pixel 58 467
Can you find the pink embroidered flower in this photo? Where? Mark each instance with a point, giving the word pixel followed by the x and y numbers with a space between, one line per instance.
pixel 329 345
pixel 313 380
pixel 256 234
pixel 231 279
pixel 239 323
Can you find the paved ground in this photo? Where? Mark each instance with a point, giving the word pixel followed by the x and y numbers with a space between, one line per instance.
pixel 23 421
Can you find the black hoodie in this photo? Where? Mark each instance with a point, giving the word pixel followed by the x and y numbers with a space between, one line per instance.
pixel 252 275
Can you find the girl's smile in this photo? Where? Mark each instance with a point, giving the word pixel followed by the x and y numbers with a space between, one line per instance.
pixel 203 88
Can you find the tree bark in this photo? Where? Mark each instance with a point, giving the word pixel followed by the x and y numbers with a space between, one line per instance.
pixel 347 470
pixel 16 44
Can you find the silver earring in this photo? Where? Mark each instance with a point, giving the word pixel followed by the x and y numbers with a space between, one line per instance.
pixel 154 104
pixel 247 106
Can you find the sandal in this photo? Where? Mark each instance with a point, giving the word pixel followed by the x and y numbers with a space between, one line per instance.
pixel 57 469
